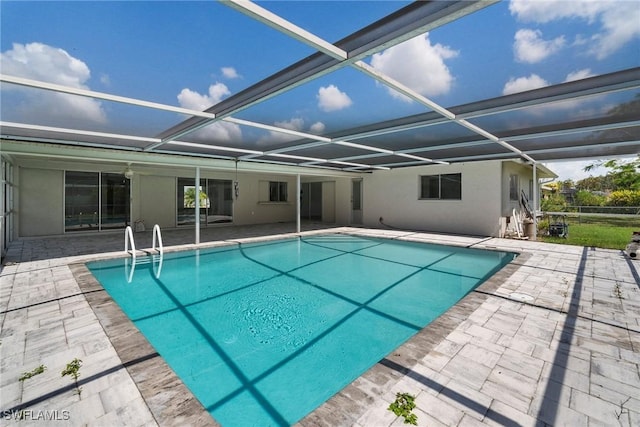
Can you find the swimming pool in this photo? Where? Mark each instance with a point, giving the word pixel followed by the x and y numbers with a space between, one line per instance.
pixel 263 333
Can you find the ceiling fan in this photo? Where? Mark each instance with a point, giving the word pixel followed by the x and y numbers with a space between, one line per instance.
pixel 128 172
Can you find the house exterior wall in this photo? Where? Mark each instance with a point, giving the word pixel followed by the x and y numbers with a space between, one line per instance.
pixel 154 198
pixel 253 205
pixel 525 176
pixel 395 196
pixel 40 202
pixel 153 192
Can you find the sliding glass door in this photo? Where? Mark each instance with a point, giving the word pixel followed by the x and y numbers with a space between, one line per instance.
pixel 115 203
pixel 96 201
pixel 6 206
pixel 220 207
pixel 216 201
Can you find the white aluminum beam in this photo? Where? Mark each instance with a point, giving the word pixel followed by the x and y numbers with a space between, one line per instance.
pixel 277 22
pixel 76 132
pixel 413 20
pixel 100 95
pixel 212 147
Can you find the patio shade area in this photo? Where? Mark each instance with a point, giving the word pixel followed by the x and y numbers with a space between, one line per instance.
pixel 355 86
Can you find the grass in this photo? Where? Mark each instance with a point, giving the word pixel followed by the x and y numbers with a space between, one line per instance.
pixel 599 232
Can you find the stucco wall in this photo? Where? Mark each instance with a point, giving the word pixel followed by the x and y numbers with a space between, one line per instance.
pixel 395 196
pixel 154 200
pixel 253 206
pixel 40 203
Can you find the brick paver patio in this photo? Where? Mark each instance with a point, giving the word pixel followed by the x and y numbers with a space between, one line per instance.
pixel 553 339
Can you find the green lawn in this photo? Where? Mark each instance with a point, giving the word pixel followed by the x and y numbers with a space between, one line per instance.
pixel 600 232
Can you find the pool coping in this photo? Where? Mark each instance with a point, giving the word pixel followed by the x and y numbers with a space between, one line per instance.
pixel 172 403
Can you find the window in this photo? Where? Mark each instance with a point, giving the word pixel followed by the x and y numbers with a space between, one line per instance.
pixel 441 187
pixel 6 206
pixel 277 191
pixel 96 201
pixel 531 190
pixel 514 187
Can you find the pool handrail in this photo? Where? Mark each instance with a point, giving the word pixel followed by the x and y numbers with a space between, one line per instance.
pixel 157 238
pixel 128 238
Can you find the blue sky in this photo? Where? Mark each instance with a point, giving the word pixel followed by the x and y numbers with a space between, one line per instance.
pixel 193 54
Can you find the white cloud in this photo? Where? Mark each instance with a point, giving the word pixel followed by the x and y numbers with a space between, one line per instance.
pixel 578 75
pixel 418 65
pixel 219 131
pixel 296 124
pixel 530 47
pixel 230 73
pixel 330 98
pixel 317 127
pixel 196 101
pixel 41 62
pixel 551 10
pixel 293 124
pixel 521 84
pixel 618 20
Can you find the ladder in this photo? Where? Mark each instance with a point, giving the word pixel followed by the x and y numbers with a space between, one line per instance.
pixel 128 238
pixel 157 239
pixel 155 259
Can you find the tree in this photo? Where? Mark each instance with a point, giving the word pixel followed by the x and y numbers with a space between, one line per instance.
pixel 566 184
pixel 625 174
pixel 595 183
pixel 190 198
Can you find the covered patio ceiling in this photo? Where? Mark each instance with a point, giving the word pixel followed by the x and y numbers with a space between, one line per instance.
pixel 593 117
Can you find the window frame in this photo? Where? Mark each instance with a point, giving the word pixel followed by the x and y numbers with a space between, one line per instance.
pixel 514 187
pixel 440 196
pixel 278 191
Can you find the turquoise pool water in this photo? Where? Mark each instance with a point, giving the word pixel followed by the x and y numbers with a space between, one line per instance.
pixel 264 333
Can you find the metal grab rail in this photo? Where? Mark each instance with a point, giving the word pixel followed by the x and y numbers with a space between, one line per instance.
pixel 155 260
pixel 128 238
pixel 157 238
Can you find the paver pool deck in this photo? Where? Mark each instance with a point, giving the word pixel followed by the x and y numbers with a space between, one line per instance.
pixel 552 339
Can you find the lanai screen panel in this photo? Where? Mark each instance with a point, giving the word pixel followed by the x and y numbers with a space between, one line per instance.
pixel 354 85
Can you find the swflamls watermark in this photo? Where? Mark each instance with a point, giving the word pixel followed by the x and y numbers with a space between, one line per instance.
pixel 36 415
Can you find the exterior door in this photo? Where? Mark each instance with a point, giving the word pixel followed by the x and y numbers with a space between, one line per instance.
pixel 356 201
pixel 311 201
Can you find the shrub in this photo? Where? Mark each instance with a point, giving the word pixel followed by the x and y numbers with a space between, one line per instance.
pixel 624 198
pixel 543 227
pixel 555 203
pixel 587 198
